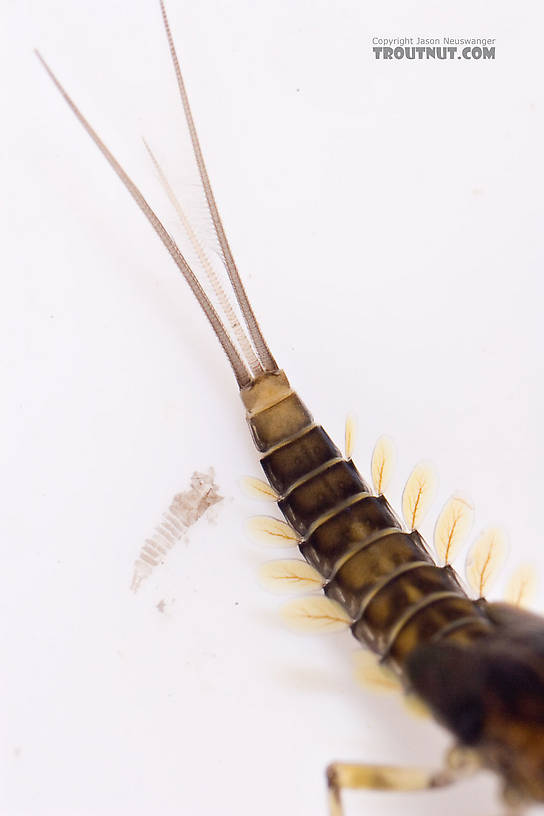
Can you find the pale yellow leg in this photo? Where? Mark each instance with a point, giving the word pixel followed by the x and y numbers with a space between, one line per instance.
pixel 344 775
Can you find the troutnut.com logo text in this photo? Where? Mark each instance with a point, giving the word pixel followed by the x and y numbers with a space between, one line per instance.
pixel 433 48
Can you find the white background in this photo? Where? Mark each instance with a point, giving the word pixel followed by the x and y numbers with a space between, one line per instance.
pixel 386 217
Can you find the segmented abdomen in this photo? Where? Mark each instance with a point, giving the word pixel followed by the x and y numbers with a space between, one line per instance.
pixel 383 576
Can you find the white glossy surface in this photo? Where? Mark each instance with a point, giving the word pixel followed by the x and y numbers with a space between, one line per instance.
pixel 387 219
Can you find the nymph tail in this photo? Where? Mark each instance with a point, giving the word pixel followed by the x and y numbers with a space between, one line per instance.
pixel 263 352
pixel 249 356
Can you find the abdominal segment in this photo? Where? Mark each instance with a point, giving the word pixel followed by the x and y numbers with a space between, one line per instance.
pixel 382 575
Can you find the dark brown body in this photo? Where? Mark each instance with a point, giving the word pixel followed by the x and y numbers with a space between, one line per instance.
pixel 413 614
pixel 384 577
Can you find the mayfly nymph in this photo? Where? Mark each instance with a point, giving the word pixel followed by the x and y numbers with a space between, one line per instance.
pixel 477 666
